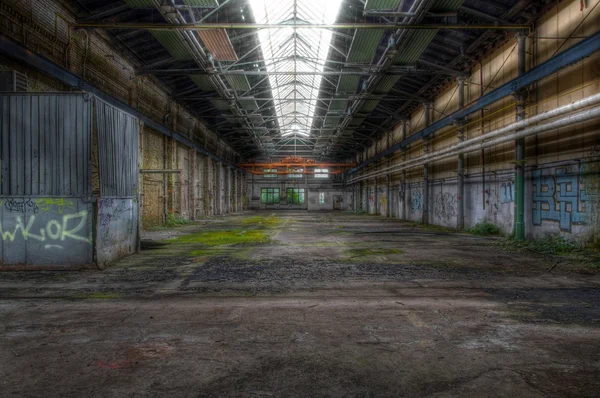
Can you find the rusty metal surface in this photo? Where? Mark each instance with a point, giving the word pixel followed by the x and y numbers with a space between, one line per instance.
pixel 218 44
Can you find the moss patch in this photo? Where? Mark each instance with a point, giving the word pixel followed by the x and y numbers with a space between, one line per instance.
pixel 224 238
pixel 376 251
pixel 271 221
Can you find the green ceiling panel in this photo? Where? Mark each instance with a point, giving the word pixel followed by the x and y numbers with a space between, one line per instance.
pixel 172 43
pixel 201 3
pixel 414 47
pixel 385 84
pixel 203 82
pixel 140 3
pixel 331 121
pixel 369 106
pixel 221 105
pixel 336 106
pixel 249 105
pixel 238 82
pixel 382 4
pixel 348 83
pixel 364 44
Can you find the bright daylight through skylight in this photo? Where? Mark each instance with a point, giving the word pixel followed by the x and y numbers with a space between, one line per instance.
pixel 295 50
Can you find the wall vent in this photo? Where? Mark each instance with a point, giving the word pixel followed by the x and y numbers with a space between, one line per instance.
pixel 12 81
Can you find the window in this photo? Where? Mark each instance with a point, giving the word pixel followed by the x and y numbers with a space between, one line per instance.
pixel 269 196
pixel 321 173
pixel 321 198
pixel 295 196
pixel 270 171
pixel 296 171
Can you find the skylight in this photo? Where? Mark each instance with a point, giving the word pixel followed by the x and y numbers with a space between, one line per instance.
pixel 295 50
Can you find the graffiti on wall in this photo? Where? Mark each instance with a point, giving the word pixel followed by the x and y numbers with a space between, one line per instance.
pixel 416 199
pixel 507 190
pixel 445 206
pixel 52 232
pixel 565 196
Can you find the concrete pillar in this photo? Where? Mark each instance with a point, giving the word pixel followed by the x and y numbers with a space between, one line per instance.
pixel 427 119
pixel 460 185
pixel 519 227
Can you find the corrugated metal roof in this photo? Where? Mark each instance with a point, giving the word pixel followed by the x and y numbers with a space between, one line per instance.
pixel 140 3
pixel 364 44
pixel 414 47
pixel 203 82
pixel 369 105
pixel 336 106
pixel 385 84
pixel 331 121
pixel 382 4
pixel 218 44
pixel 446 5
pixel 249 105
pixel 348 83
pixel 172 43
pixel 238 82
pixel 201 3
pixel 221 105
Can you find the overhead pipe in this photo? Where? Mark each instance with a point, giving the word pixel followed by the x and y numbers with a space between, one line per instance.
pixel 451 150
pixel 434 157
pixel 575 53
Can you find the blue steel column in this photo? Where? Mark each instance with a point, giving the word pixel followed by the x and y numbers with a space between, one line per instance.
pixel 519 227
pixel 460 194
pixel 426 117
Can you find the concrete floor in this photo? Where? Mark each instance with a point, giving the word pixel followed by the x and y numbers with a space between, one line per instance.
pixel 334 305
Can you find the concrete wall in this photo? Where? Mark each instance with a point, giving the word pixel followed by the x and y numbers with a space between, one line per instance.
pixel 116 235
pixel 555 157
pixel 334 200
pixel 311 185
pixel 51 231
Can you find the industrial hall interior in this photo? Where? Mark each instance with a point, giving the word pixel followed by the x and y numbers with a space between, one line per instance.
pixel 299 198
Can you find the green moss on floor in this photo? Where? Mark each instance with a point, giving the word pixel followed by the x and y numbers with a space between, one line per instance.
pixel 224 238
pixel 270 221
pixel 376 251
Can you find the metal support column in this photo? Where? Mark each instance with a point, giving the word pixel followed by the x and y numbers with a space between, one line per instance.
pixel 404 184
pixel 388 180
pixel 426 117
pixel 519 226
pixel 460 185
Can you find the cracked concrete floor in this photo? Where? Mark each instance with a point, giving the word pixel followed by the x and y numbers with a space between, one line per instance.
pixel 333 305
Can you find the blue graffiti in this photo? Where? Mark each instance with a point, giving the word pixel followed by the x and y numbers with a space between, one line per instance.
pixel 559 198
pixel 507 190
pixel 416 199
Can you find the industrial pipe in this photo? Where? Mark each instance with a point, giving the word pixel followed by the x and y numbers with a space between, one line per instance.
pixel 569 120
pixel 577 105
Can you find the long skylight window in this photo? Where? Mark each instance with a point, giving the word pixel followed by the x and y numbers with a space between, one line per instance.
pixel 295 50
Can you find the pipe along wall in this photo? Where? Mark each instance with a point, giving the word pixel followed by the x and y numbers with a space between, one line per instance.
pixel 529 163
